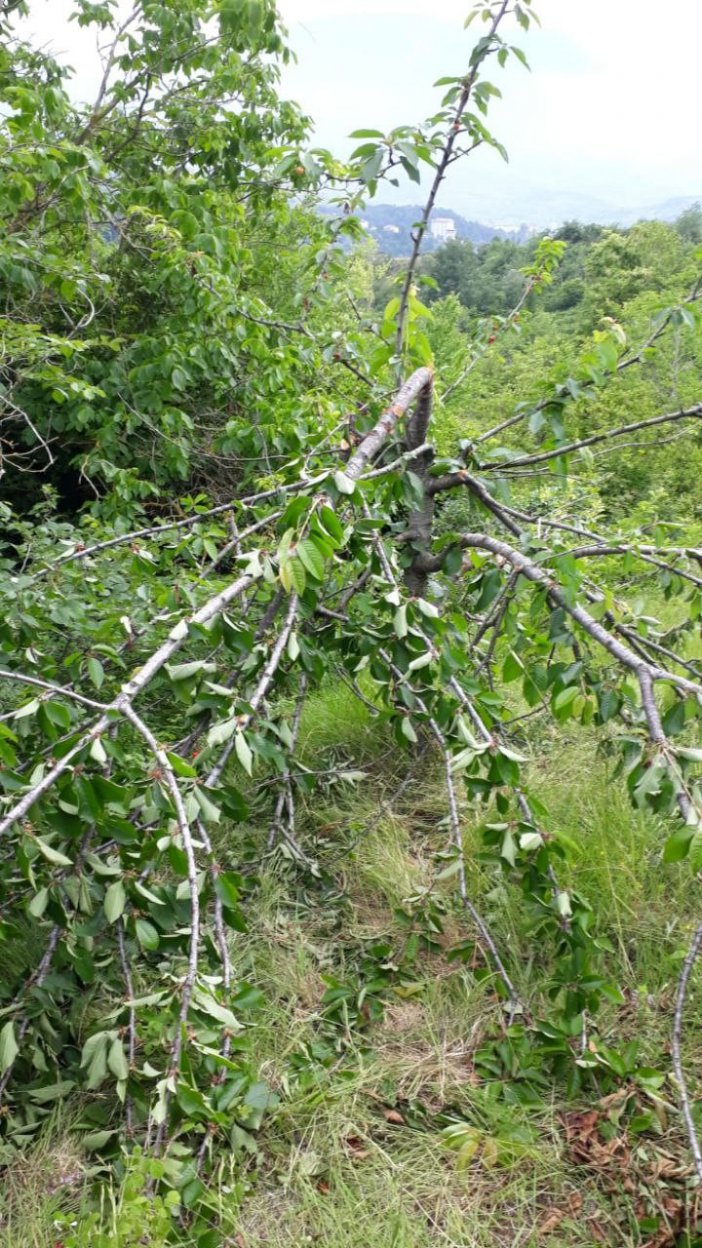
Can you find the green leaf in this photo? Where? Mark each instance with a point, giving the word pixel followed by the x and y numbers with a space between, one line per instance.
pixel 243 752
pixel 52 1092
pixel 38 904
pixel 508 849
pixel 563 905
pixel 219 733
pixel 147 935
pixel 687 752
pixel 285 574
pixel 512 667
pixel 95 1140
pixel 311 558
pixel 185 671
pixel 331 523
pixel 59 714
pixel 98 752
pixel 427 608
pixel 115 901
pixel 9 1047
pixel 423 661
pixel 96 672
pixel 467 1151
pixel 192 1102
pixel 52 855
pixel 94 1056
pixel 210 813
pixel 208 1005
pixel 399 622
pixel 298 576
pixel 147 894
pixel 344 484
pixel 181 767
pixel 29 708
pixel 117 1059
pixel 565 698
pixel 227 889
pixel 530 840
pixel 677 846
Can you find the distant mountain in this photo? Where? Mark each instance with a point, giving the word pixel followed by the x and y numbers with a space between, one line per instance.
pixel 667 210
pixel 548 209
pixel 391 225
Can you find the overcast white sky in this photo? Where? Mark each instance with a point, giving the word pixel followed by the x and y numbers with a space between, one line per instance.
pixel 611 111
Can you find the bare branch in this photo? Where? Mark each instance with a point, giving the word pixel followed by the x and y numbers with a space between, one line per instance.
pixel 188 984
pixel 131 1020
pixel 418 384
pixel 59 689
pixel 260 691
pixel 685 1099
pixel 286 793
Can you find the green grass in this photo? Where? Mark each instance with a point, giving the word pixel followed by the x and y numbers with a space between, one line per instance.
pixel 45 1180
pixel 332 1169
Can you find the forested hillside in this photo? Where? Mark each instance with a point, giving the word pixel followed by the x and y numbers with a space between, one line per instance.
pixel 350 675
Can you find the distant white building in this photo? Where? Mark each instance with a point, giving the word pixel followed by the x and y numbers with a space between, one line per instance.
pixel 443 229
pixel 391 229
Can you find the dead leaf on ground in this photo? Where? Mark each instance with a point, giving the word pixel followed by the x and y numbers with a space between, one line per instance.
pixel 555 1215
pixel 356 1147
pixel 552 1221
pixel 392 1115
pixel 597 1231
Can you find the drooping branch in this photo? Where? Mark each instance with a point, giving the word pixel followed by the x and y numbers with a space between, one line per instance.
pixel 508 515
pixel 601 546
pixel 604 435
pixel 624 548
pixel 121 704
pixel 637 356
pixel 81 551
pixel 534 572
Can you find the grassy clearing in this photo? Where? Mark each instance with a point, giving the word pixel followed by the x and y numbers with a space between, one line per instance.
pixel 352 1156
